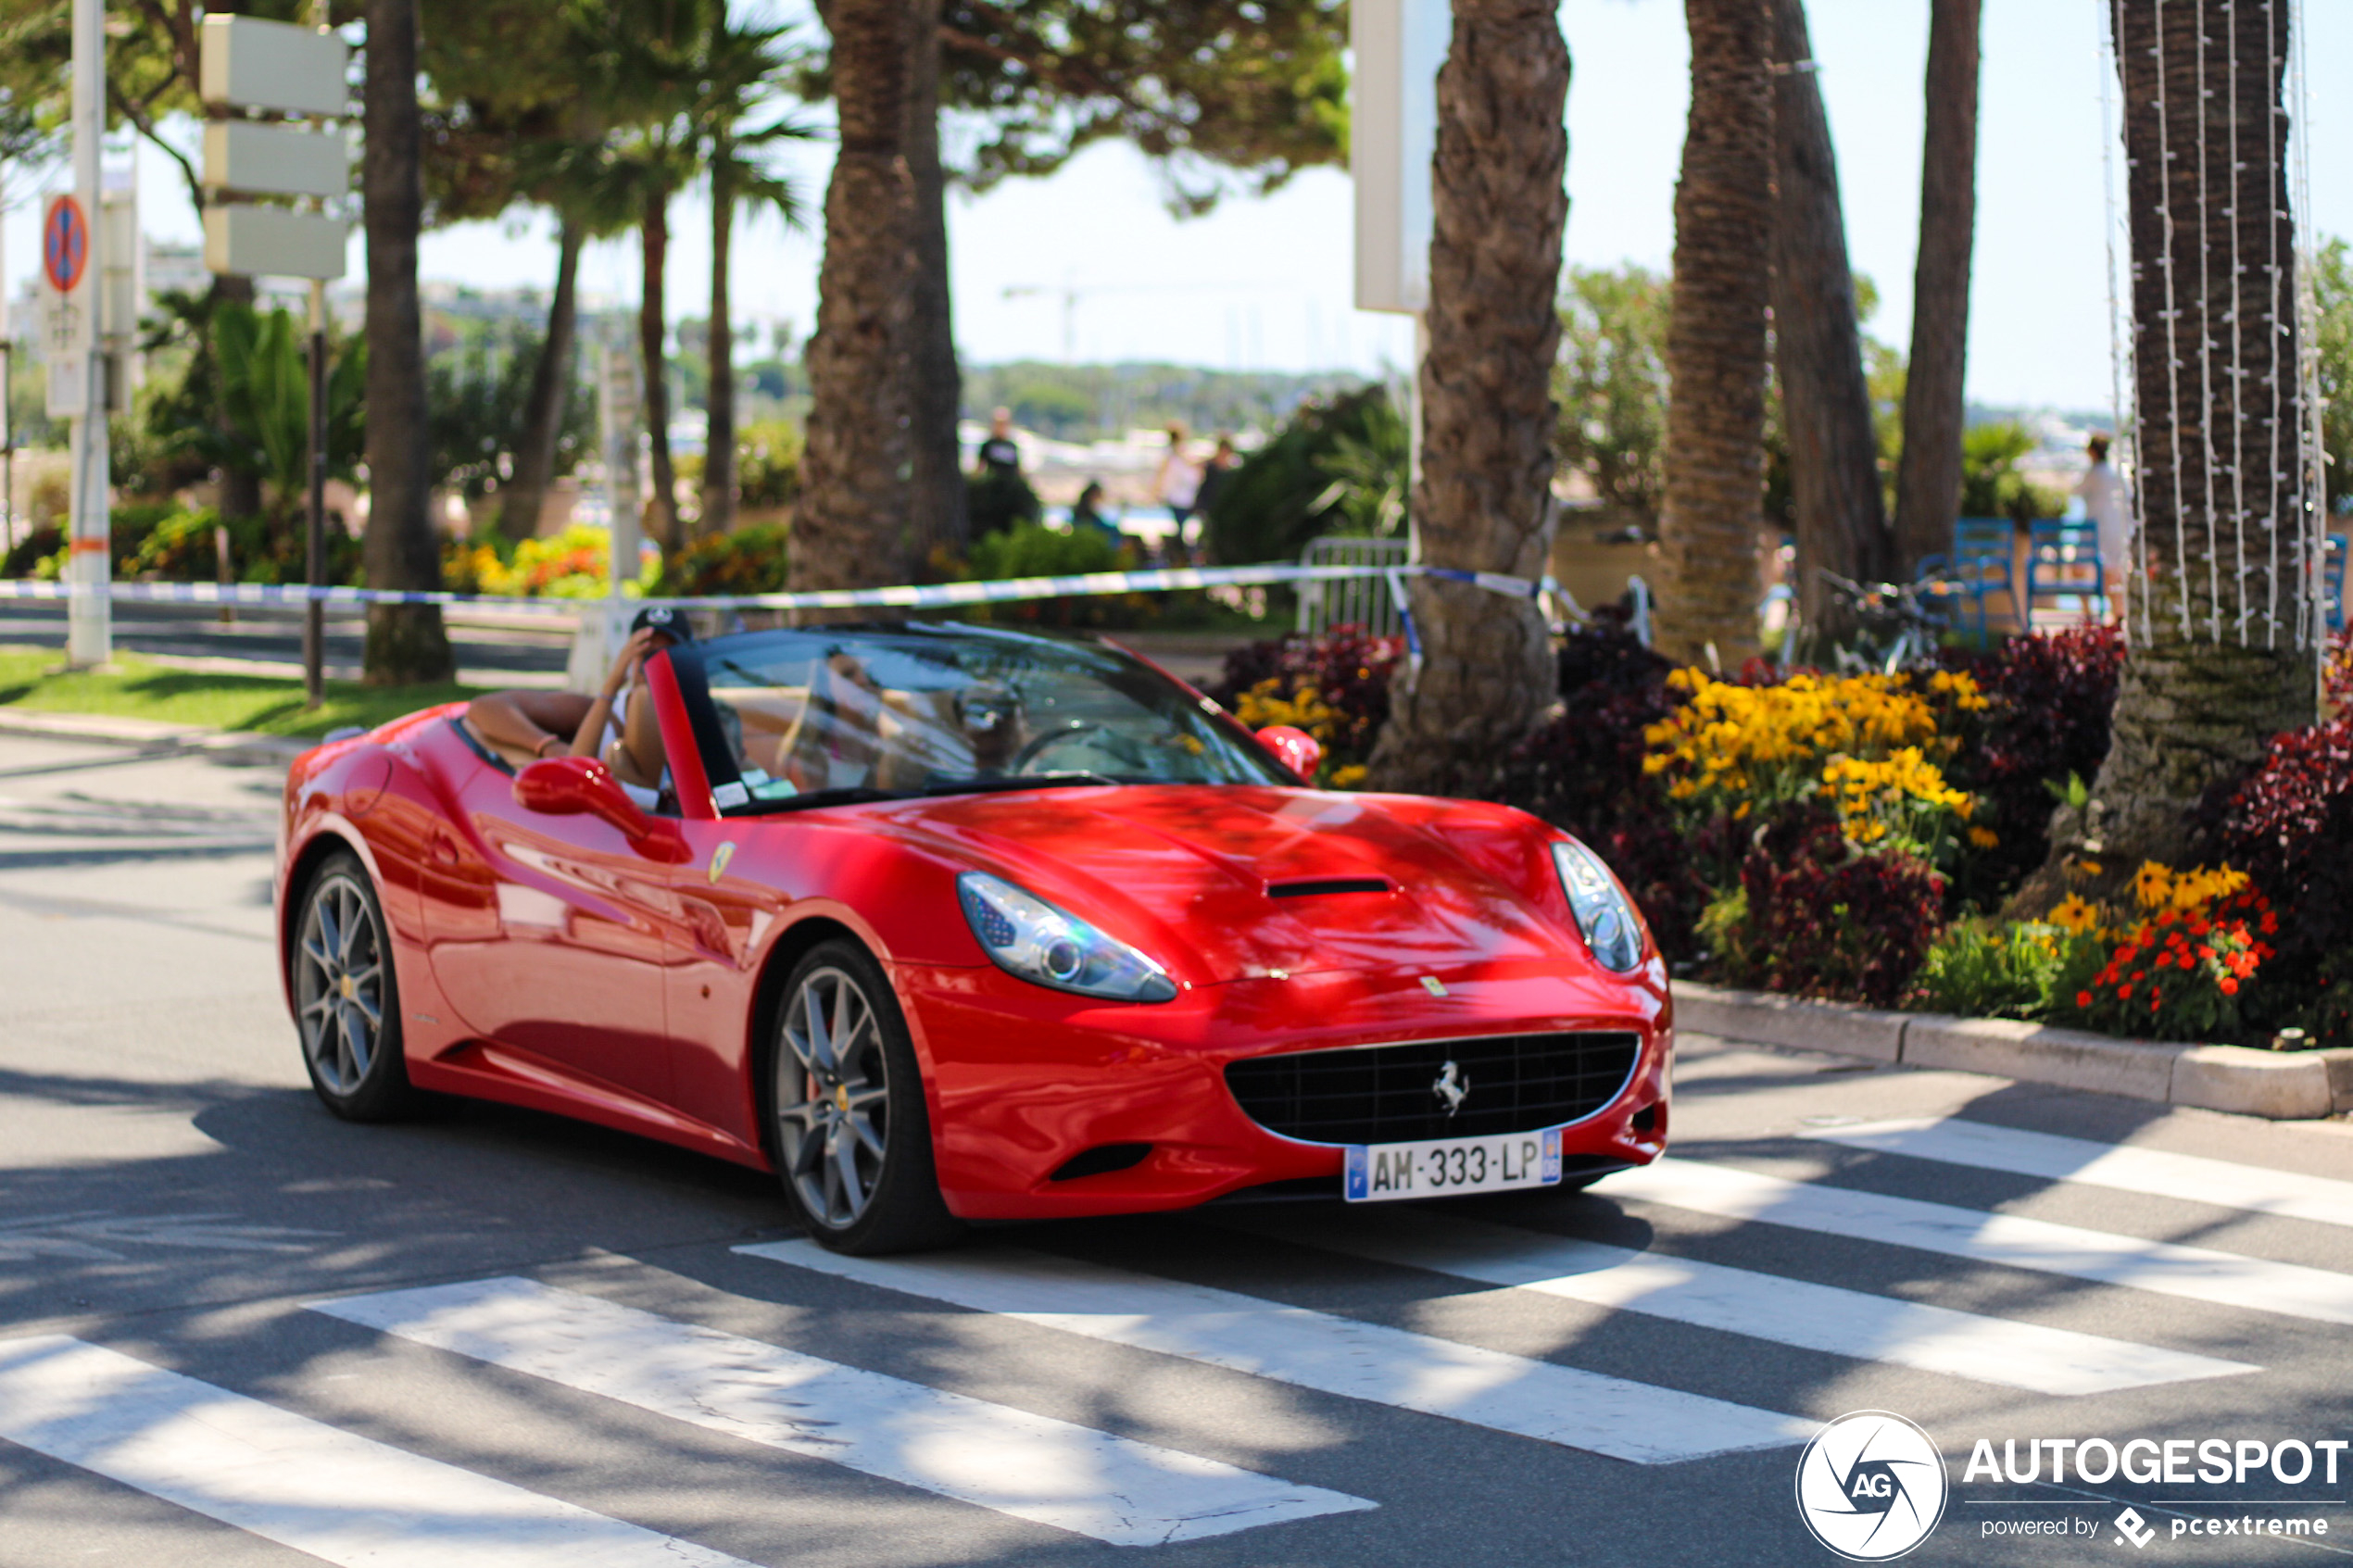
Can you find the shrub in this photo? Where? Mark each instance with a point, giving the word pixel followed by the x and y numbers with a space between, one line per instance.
pixel 33 551
pixel 2048 697
pixel 749 561
pixel 2289 823
pixel 570 565
pixel 1813 916
pixel 767 463
pixel 1286 492
pixel 1032 549
pixel 1333 684
pixel 1982 970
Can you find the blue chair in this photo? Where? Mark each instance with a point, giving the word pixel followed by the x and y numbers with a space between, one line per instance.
pixel 2333 581
pixel 2063 567
pixel 1978 568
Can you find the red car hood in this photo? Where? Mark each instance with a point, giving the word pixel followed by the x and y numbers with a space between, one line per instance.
pixel 1207 879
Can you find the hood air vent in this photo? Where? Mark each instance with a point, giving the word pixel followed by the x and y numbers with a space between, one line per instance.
pixel 1323 885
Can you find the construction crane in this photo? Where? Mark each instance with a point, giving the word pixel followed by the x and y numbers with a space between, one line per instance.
pixel 1071 294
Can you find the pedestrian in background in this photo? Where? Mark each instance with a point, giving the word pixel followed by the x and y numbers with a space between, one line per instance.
pixel 1213 474
pixel 997 496
pixel 1087 515
pixel 2105 504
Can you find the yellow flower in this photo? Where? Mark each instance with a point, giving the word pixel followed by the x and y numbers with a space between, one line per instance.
pixel 2089 868
pixel 1984 838
pixel 2074 916
pixel 1348 777
pixel 2153 886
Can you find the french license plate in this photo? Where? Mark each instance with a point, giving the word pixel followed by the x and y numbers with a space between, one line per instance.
pixel 1442 1167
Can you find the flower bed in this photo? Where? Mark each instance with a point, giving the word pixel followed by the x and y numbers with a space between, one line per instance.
pixel 1847 837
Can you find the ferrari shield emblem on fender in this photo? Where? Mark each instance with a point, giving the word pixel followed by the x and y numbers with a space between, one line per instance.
pixel 719 859
pixel 1434 986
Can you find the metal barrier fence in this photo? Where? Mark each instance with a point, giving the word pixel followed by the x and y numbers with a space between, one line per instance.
pixel 1366 601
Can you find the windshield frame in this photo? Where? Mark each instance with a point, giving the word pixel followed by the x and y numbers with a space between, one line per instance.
pixel 690 661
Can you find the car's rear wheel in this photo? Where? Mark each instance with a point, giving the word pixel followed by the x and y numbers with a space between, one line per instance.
pixel 347 998
pixel 852 1139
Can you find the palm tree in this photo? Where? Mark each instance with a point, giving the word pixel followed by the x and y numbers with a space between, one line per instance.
pixel 2221 656
pixel 1716 340
pixel 1927 482
pixel 1817 349
pixel 856 525
pixel 407 644
pixel 1483 501
pixel 739 65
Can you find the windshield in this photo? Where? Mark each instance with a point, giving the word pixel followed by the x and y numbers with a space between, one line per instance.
pixel 845 712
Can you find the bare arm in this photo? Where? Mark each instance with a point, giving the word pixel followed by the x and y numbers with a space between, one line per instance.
pixel 536 723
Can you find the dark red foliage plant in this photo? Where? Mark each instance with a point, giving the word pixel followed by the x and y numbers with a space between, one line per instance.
pixel 1348 667
pixel 1814 918
pixel 2048 697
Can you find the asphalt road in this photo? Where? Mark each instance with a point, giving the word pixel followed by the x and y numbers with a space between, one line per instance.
pixel 236 1332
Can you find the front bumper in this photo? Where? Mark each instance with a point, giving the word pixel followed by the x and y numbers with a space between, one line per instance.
pixel 1023 1080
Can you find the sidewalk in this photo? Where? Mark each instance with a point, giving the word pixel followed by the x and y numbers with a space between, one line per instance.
pixel 2282 1085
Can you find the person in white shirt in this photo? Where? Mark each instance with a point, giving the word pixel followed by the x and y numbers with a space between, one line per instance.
pixel 1179 483
pixel 2105 505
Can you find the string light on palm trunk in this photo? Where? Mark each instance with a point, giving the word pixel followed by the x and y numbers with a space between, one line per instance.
pixel 2259 452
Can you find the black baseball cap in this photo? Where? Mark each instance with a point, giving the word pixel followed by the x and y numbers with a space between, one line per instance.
pixel 671 623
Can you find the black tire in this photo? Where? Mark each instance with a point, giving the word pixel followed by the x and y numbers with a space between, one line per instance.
pixel 346 997
pixel 848 1126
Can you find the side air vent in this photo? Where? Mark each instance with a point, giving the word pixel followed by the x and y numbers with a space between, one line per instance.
pixel 1325 885
pixel 1102 1160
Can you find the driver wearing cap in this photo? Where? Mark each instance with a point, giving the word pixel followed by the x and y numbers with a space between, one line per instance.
pixel 618 725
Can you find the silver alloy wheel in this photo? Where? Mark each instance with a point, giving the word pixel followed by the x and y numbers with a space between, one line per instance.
pixel 833 1098
pixel 339 983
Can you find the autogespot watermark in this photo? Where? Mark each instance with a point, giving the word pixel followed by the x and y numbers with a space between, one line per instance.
pixel 1872 1486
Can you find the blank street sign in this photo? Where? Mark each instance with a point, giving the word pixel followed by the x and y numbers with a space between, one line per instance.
pixel 274 160
pixel 254 240
pixel 251 64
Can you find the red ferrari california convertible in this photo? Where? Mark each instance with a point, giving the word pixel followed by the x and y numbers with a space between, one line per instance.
pixel 945 922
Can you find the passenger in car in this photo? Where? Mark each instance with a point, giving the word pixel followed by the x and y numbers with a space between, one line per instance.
pixel 618 725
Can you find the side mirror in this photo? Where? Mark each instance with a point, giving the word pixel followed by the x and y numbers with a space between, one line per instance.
pixel 570 786
pixel 1293 747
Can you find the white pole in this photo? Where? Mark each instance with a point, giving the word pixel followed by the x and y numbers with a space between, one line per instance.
pixel 7 431
pixel 90 567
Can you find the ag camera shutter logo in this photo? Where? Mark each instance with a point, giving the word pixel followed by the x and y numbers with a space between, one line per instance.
pixel 1870 1486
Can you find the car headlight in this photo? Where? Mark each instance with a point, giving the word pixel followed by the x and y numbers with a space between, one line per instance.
pixel 1026 936
pixel 1605 918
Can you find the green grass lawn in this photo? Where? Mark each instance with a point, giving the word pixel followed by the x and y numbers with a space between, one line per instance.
pixel 263 704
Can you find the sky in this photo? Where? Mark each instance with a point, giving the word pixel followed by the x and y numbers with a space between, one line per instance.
pixel 1265 284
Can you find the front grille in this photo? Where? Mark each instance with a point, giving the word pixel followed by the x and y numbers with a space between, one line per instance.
pixel 1390 1094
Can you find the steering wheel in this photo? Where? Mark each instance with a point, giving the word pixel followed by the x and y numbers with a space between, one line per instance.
pixel 1042 744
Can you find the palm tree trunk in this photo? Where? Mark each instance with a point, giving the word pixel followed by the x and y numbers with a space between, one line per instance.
pixel 1714 507
pixel 856 526
pixel 719 401
pixel 1483 502
pixel 1826 403
pixel 1928 483
pixel 938 388
pixel 407 644
pixel 654 229
pixel 526 493
pixel 2219 659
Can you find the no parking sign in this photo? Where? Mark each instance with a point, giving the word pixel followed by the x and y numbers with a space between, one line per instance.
pixel 65 243
pixel 64 263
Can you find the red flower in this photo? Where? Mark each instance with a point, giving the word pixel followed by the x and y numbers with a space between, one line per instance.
pixel 2229 986
pixel 2197 928
pixel 2082 998
pixel 2123 992
pixel 2205 952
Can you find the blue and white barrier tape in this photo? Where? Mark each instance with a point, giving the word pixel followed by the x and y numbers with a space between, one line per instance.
pixel 926 595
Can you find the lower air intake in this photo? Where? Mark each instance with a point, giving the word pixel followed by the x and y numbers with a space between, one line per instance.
pixel 1402 1094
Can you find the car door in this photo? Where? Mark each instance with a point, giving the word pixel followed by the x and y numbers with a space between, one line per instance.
pixel 554 937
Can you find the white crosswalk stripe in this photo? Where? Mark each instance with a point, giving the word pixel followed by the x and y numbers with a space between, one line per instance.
pixel 1789 1312
pixel 1034 1467
pixel 2191 1178
pixel 301 1483
pixel 2194 1273
pixel 1335 1355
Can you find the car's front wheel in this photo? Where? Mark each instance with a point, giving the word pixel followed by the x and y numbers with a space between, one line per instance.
pixel 852 1139
pixel 347 999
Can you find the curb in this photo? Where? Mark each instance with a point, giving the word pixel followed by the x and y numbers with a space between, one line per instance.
pixel 155 735
pixel 2281 1086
